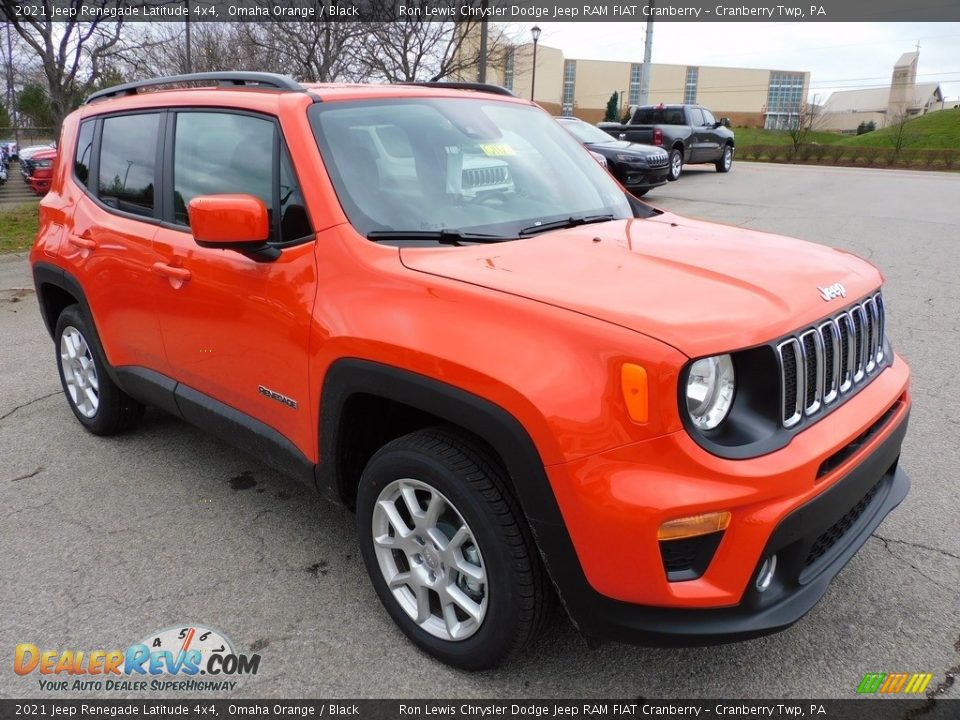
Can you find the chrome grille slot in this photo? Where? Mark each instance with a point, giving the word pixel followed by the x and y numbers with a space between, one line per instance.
pixel 811 347
pixel 859 342
pixel 881 323
pixel 830 337
pixel 820 365
pixel 791 381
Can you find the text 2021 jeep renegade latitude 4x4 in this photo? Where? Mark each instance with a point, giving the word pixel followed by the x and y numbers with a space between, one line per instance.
pixel 543 390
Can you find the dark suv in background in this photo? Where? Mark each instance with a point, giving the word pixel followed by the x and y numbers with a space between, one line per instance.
pixel 638 167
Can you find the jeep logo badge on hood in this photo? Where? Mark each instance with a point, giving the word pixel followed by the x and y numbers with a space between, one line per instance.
pixel 832 291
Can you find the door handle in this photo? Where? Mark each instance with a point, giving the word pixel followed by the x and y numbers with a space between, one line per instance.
pixel 178 274
pixel 82 242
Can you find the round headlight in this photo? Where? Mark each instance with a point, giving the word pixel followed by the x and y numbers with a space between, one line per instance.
pixel 710 386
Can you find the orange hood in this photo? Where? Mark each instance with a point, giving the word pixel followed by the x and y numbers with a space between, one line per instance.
pixel 701 287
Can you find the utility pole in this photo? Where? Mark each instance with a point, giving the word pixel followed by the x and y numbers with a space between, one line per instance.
pixel 189 68
pixel 11 91
pixel 482 64
pixel 647 55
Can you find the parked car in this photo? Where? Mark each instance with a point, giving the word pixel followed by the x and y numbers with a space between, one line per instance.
pixel 683 430
pixel 638 167
pixel 10 148
pixel 689 133
pixel 41 170
pixel 26 155
pixel 3 173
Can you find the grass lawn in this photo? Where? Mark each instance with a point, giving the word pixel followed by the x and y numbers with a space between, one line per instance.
pixel 18 225
pixel 934 130
pixel 758 136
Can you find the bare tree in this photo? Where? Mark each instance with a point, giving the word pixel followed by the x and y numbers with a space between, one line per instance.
pixel 809 119
pixel 312 51
pixel 418 49
pixel 71 54
pixel 899 132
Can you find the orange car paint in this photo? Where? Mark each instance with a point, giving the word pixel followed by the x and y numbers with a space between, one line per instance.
pixel 651 292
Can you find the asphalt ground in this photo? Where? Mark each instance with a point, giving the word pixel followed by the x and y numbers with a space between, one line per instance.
pixel 104 541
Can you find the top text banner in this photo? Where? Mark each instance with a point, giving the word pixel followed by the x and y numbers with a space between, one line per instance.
pixel 499 11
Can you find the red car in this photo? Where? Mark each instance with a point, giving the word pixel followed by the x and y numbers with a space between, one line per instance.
pixel 42 171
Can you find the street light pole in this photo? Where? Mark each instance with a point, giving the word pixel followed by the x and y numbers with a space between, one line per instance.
pixel 535 32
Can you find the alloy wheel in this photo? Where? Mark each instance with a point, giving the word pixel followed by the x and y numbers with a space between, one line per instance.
pixel 430 559
pixel 79 372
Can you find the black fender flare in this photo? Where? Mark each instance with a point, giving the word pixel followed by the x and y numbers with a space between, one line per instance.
pixel 495 425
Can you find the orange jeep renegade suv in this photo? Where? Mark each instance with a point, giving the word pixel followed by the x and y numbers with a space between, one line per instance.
pixel 431 303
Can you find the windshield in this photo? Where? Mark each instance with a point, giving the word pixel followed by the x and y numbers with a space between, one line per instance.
pixel 473 165
pixel 586 133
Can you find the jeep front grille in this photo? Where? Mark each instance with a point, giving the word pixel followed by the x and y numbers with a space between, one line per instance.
pixel 820 364
pixel 484 177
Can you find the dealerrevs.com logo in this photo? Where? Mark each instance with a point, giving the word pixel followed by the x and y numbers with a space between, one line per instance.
pixel 189 658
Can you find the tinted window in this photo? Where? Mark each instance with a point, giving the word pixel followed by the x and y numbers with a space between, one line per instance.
pixel 707 116
pixel 127 161
pixel 81 161
pixel 656 115
pixel 219 153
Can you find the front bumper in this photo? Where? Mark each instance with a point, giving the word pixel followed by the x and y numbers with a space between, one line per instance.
pixel 643 178
pixel 814 524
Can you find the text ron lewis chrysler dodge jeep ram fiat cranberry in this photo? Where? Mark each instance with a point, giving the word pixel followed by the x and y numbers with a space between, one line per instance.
pixel 430 302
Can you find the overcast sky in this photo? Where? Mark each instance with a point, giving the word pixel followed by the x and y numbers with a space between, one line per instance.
pixel 839 56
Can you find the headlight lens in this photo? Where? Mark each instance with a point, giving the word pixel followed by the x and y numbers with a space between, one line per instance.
pixel 623 157
pixel 710 386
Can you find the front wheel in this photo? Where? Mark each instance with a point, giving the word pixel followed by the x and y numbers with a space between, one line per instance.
pixel 447 549
pixel 676 164
pixel 725 162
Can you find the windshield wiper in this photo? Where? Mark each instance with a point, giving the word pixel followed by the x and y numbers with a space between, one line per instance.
pixel 445 237
pixel 567 223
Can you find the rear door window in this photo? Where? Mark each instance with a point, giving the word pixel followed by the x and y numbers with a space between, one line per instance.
pixel 128 153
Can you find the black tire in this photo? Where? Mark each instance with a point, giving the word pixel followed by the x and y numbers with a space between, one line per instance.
pixel 676 164
pixel 725 163
pixel 116 411
pixel 520 595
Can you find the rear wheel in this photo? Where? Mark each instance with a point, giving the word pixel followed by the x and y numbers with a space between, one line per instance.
pixel 447 549
pixel 725 162
pixel 676 164
pixel 99 405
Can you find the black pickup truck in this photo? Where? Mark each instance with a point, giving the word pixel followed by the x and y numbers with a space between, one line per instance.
pixel 688 132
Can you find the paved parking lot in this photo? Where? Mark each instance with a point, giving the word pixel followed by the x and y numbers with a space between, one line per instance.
pixel 15 191
pixel 106 540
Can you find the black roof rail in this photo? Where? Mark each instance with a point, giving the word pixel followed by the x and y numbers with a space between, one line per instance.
pixel 455 85
pixel 261 79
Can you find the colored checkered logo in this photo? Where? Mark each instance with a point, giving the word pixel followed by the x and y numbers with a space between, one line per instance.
pixel 894 683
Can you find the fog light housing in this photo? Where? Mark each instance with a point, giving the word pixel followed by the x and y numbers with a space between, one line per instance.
pixel 765 576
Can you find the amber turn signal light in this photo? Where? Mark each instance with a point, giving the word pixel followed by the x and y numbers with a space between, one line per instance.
pixel 693 526
pixel 633 383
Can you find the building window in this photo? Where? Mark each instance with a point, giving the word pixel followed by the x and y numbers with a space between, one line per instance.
pixel 636 70
pixel 690 89
pixel 569 86
pixel 508 71
pixel 784 100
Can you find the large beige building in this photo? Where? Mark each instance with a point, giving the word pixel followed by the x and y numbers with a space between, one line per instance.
pixel 566 86
pixel 845 110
